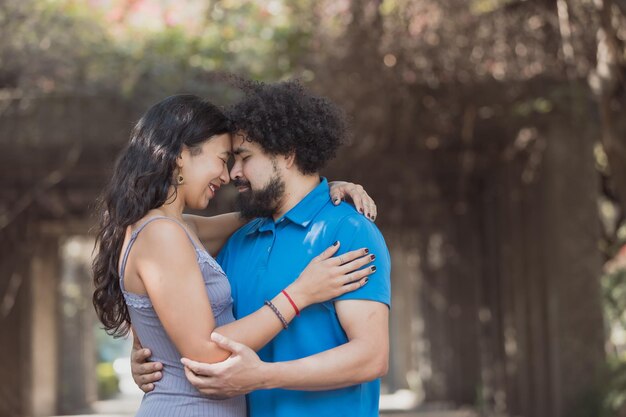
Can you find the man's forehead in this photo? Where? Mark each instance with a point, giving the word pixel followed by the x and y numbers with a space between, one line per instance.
pixel 240 148
pixel 241 143
pixel 238 139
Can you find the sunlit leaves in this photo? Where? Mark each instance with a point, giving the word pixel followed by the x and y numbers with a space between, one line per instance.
pixel 148 47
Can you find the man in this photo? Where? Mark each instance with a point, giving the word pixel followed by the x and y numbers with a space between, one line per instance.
pixel 327 363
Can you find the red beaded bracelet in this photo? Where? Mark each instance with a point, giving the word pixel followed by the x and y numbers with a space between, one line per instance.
pixel 295 307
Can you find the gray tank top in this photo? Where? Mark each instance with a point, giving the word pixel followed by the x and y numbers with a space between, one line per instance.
pixel 173 395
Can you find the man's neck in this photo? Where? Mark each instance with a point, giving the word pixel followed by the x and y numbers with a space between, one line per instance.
pixel 295 190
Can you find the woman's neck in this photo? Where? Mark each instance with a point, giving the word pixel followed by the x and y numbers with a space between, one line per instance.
pixel 174 208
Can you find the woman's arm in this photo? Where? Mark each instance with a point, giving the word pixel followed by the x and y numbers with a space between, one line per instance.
pixel 174 283
pixel 214 231
pixel 173 280
pixel 324 278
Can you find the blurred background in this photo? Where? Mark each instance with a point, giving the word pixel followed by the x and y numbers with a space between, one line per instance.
pixel 491 133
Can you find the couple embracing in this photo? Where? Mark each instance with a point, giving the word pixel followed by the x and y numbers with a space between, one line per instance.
pixel 291 316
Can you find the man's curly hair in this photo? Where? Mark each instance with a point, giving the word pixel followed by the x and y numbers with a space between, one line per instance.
pixel 284 117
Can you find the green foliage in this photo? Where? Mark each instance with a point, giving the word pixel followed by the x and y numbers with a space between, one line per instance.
pixel 107 380
pixel 50 46
pixel 537 105
pixel 487 6
pixel 65 45
pixel 614 294
pixel 608 399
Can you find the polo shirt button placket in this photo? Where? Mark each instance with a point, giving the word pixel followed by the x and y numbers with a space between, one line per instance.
pixel 269 248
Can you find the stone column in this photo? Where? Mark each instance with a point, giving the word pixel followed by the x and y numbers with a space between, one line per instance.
pixel 43 327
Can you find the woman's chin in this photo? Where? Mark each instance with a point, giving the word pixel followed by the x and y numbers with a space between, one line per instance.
pixel 201 205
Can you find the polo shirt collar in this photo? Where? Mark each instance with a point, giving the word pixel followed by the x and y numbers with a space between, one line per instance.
pixel 303 212
pixel 260 224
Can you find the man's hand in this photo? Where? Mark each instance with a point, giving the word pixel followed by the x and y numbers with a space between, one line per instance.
pixel 145 373
pixel 241 373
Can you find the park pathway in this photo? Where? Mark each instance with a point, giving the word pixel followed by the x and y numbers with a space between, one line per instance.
pixel 125 404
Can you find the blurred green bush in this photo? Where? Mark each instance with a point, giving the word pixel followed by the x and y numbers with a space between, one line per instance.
pixel 108 383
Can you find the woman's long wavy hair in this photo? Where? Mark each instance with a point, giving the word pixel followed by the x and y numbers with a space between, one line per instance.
pixel 143 177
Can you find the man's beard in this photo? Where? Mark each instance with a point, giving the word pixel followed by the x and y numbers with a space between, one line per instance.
pixel 260 203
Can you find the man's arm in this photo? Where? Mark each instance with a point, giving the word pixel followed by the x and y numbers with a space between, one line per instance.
pixel 363 358
pixel 145 373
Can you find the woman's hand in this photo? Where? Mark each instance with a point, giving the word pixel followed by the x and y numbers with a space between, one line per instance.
pixel 327 277
pixel 340 190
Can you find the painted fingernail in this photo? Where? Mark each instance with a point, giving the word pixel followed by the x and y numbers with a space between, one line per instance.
pixel 336 243
pixel 366 281
pixel 372 257
pixel 366 251
pixel 336 201
pixel 373 268
pixel 361 210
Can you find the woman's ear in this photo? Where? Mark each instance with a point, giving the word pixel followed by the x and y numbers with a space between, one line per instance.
pixel 180 159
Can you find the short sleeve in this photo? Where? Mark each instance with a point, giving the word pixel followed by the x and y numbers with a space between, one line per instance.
pixel 356 232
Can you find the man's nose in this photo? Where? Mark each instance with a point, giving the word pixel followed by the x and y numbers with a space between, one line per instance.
pixel 235 171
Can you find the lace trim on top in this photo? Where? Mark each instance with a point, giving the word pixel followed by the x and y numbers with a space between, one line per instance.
pixel 204 257
pixel 143 301
pixel 137 300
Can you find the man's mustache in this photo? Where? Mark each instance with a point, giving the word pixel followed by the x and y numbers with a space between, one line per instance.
pixel 238 182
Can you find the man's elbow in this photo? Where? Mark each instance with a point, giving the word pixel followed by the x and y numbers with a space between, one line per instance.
pixel 382 367
pixel 377 367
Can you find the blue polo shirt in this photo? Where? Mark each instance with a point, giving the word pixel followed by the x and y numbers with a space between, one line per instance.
pixel 265 256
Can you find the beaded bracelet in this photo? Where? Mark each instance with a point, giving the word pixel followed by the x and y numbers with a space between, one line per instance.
pixel 275 310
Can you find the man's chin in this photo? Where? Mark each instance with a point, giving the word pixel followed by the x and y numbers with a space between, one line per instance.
pixel 251 211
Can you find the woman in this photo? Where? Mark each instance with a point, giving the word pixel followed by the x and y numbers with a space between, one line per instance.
pixel 151 270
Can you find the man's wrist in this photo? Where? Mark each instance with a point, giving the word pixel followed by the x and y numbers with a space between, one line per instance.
pixel 271 372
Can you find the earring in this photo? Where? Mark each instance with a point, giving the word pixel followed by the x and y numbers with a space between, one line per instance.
pixel 180 179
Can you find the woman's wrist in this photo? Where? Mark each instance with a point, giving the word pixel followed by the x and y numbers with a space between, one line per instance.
pixel 297 299
pixel 293 304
